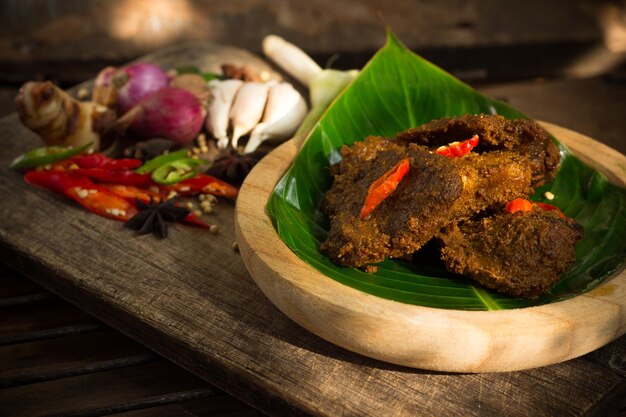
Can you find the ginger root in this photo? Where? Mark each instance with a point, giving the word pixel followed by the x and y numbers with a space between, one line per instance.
pixel 59 118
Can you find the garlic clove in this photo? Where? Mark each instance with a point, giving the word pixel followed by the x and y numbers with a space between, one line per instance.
pixel 247 109
pixel 222 94
pixel 284 111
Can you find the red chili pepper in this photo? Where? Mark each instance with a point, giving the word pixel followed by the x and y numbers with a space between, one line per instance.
pixel 519 204
pixel 194 220
pixel 93 197
pixel 206 184
pixel 456 149
pixel 98 160
pixel 384 186
pixel 132 193
pixel 549 207
pixel 125 177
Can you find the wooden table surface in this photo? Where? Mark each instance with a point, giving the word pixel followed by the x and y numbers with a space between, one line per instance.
pixel 56 359
pixel 190 299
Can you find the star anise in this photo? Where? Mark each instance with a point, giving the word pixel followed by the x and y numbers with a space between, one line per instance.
pixel 232 167
pixel 152 217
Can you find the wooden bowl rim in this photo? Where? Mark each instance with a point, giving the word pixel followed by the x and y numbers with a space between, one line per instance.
pixel 425 337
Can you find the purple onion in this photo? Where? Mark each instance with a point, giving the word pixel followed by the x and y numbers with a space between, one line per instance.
pixel 171 113
pixel 137 81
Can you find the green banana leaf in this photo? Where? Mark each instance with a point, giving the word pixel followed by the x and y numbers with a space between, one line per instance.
pixel 397 90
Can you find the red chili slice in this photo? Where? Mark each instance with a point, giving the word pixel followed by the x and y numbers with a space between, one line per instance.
pixel 384 186
pixel 98 160
pixel 206 184
pixel 93 197
pixel 456 149
pixel 549 207
pixel 125 177
pixel 132 193
pixel 519 204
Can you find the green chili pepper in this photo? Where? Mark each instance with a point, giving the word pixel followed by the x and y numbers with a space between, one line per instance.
pixel 208 76
pixel 161 160
pixel 176 171
pixel 46 155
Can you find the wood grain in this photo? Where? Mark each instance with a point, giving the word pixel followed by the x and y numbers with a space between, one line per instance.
pixel 421 337
pixel 191 299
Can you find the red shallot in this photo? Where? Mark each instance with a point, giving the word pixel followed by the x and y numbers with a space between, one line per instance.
pixel 136 82
pixel 171 113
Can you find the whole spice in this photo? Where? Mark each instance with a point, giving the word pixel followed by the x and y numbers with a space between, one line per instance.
pixel 149 149
pixel 59 118
pixel 233 167
pixel 243 73
pixel 384 186
pixel 153 217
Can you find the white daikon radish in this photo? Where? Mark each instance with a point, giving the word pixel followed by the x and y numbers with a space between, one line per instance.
pixel 218 113
pixel 324 84
pixel 284 111
pixel 247 109
pixel 291 58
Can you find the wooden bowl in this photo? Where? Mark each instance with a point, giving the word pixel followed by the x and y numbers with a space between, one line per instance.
pixel 423 337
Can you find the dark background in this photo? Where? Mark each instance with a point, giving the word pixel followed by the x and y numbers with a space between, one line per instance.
pixel 560 60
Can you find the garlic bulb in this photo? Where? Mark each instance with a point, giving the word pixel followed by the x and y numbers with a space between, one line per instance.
pixel 247 109
pixel 324 84
pixel 218 113
pixel 284 111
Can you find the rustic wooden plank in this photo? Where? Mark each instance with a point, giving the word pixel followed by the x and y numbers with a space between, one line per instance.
pixel 158 411
pixel 218 406
pixel 162 411
pixel 13 285
pixel 191 299
pixel 128 388
pixel 69 356
pixel 49 314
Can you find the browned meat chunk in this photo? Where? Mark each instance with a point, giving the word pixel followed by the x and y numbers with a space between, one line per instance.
pixel 489 179
pixel 436 191
pixel 520 254
pixel 495 133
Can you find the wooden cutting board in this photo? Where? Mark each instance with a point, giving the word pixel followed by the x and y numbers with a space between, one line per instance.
pixel 422 337
pixel 191 299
